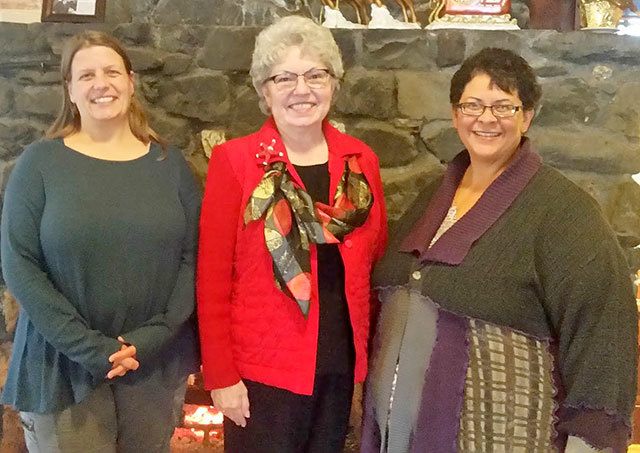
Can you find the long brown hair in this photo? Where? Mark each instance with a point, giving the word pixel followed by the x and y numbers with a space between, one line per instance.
pixel 68 119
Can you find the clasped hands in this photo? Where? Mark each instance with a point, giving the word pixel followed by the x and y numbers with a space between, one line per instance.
pixel 123 360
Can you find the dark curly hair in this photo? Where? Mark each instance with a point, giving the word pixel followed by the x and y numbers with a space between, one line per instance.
pixel 508 70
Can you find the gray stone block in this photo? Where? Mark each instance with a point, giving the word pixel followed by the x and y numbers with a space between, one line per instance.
pixel 134 34
pixel 623 114
pixel 582 47
pixel 186 39
pixel 403 184
pixel 567 101
pixel 451 48
pixel 144 59
pixel 6 96
pixel 176 63
pixel 370 93
pixel 228 48
pixel 175 130
pixel 393 146
pixel 204 95
pixel 398 49
pixel 441 139
pixel 171 12
pixel 245 111
pixel 40 100
pixel 587 148
pixel 424 94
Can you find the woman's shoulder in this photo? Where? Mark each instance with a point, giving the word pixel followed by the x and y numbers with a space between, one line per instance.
pixel 238 145
pixel 173 154
pixel 560 193
pixel 568 212
pixel 39 153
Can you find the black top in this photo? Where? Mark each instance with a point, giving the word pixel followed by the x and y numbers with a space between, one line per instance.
pixel 336 354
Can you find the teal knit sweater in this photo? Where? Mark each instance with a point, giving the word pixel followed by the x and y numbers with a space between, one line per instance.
pixel 93 249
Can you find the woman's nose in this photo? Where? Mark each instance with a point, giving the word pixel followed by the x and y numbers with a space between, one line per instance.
pixel 487 115
pixel 301 85
pixel 99 80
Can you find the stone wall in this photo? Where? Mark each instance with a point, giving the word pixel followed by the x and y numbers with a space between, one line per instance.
pixel 394 96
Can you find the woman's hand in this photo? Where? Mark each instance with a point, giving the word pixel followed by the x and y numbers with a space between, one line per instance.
pixel 233 402
pixel 123 361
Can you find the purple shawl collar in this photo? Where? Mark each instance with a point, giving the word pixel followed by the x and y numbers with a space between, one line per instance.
pixel 454 244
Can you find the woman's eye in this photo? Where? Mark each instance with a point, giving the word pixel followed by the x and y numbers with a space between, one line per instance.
pixel 283 79
pixel 502 108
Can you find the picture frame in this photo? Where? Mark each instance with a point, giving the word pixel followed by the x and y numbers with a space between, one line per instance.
pixel 73 10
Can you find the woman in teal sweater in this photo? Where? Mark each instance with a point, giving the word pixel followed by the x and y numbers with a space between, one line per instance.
pixel 98 237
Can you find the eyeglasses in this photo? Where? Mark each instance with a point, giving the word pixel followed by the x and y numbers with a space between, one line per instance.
pixel 498 110
pixel 315 78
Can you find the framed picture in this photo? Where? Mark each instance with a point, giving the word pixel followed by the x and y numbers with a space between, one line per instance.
pixel 73 10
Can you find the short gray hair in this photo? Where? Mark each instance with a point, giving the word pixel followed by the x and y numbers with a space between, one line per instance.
pixel 292 31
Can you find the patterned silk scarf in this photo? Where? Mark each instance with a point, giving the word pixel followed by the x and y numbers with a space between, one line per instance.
pixel 292 221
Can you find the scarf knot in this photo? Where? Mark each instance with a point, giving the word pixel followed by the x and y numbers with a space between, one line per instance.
pixel 292 220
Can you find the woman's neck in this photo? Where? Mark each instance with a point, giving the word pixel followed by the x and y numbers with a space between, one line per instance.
pixel 109 143
pixel 477 178
pixel 305 145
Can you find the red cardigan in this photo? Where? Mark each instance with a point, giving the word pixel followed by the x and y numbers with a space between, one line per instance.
pixel 249 328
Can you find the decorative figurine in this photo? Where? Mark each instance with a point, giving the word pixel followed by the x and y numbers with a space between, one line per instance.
pixel 382 18
pixel 333 17
pixel 474 14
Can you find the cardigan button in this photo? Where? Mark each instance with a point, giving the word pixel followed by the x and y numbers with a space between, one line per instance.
pixel 416 275
pixel 348 243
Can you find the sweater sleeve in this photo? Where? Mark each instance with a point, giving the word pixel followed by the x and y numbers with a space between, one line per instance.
pixel 24 269
pixel 150 337
pixel 591 307
pixel 221 210
pixel 378 194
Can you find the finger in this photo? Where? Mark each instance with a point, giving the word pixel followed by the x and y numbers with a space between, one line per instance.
pixel 236 417
pixel 127 351
pixel 131 364
pixel 116 371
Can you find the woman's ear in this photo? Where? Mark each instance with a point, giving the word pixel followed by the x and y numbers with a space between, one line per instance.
pixel 528 118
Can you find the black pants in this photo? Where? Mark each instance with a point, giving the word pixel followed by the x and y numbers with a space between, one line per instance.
pixel 284 422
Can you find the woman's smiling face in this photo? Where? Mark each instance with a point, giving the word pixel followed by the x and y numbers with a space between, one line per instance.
pixel 99 85
pixel 487 137
pixel 300 106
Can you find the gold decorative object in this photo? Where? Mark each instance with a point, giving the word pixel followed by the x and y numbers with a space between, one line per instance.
pixel 211 138
pixel 600 14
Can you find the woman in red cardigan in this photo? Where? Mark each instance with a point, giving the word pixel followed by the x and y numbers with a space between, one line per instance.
pixel 292 221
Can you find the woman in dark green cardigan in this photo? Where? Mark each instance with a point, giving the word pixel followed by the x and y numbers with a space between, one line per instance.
pixel 507 321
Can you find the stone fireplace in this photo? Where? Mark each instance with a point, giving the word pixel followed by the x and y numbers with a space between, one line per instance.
pixel 192 60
